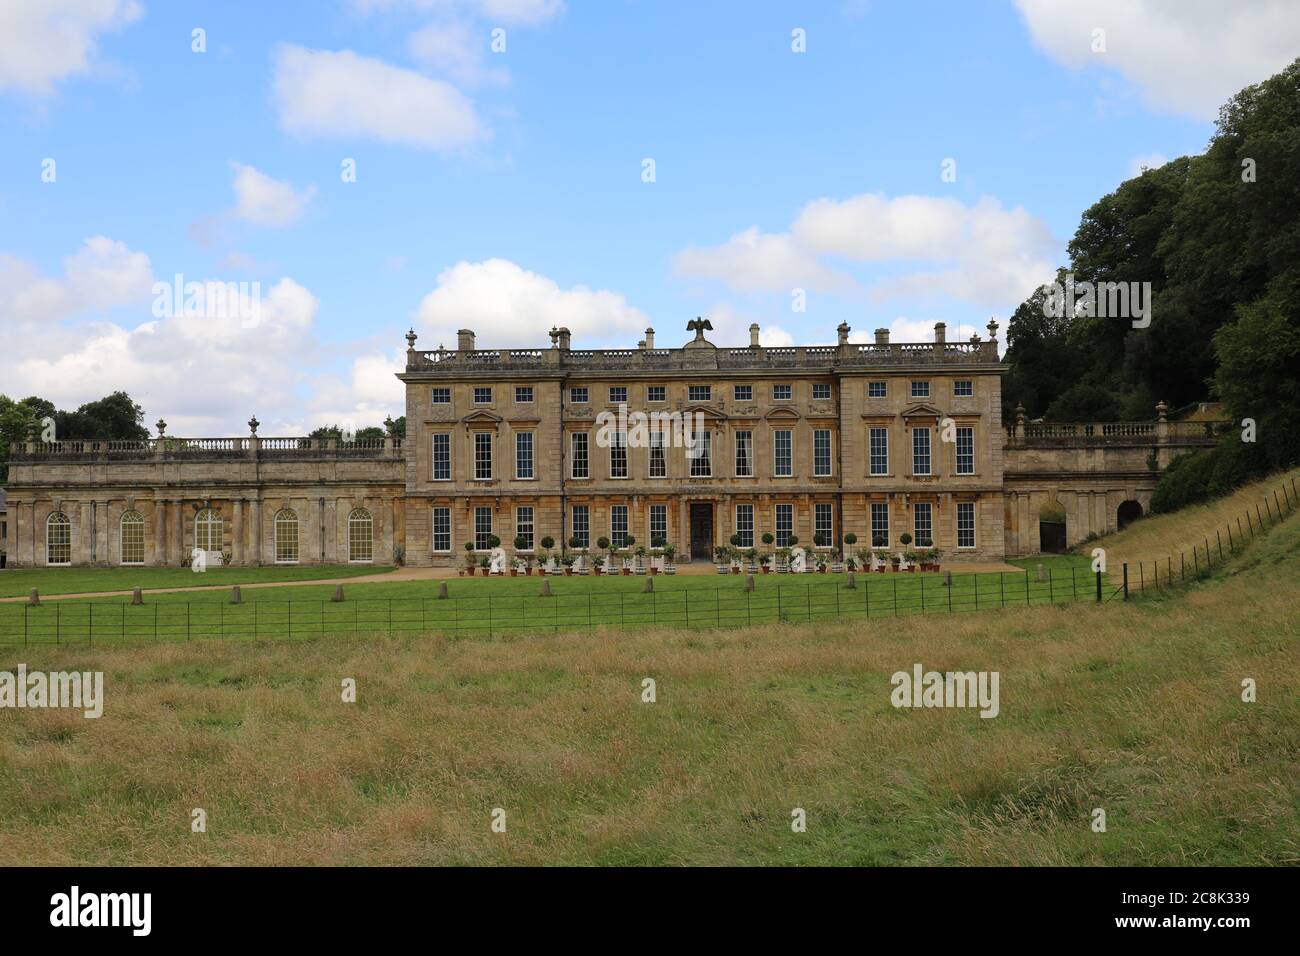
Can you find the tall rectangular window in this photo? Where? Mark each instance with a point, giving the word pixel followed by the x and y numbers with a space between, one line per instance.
pixel 879 441
pixel 920 389
pixel 742 393
pixel 920 451
pixel 523 455
pixel 821 453
pixel 482 455
pixel 581 525
pixel 617 455
pixel 482 396
pixel 482 529
pixel 441 456
pixel 699 393
pixel 744 454
pixel 823 524
pixel 782 457
pixel 784 525
pixel 963 387
pixel 578 459
pixel 523 393
pixel 880 524
pixel 578 395
pixel 618 525
pixel 922 525
pixel 876 390
pixel 965 524
pixel 965 450
pixel 658 459
pixel 440 396
pixel 700 453
pixel 524 526
pixel 658 525
pixel 821 391
pixel 745 525
pixel 782 393
pixel 441 529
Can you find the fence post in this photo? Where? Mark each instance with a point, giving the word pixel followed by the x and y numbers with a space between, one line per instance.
pixel 923 594
pixel 187 620
pixel 1051 590
pixel 1208 563
pixel 1074 584
pixel 1125 580
pixel 1098 587
pixel 779 614
pixel 895 597
pixel 489 617
pixel 807 600
pixel 1182 567
pixel 749 619
pixel 90 623
pixel 1196 562
pixel 57 625
pixel 25 610
pixel 1026 587
pixel 1002 590
pixel 1219 538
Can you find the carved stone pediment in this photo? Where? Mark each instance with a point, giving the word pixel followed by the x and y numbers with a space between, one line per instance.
pixel 782 414
pixel 922 410
pixel 482 419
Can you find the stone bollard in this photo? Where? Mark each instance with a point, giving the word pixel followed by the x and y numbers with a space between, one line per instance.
pixel 35 599
pixel 442 591
pixel 235 596
pixel 137 597
pixel 338 594
pixel 749 582
pixel 1042 573
pixel 546 588
pixel 649 584
pixel 851 582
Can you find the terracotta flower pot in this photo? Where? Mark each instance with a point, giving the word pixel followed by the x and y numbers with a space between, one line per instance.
pixel 568 572
pixel 766 569
pixel 514 572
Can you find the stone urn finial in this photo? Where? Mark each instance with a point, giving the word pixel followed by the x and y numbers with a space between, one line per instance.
pixel 555 337
pixel 1162 411
pixel 843 330
pixel 410 340
pixel 1020 413
pixel 993 330
pixel 388 425
pixel 252 424
pixel 161 426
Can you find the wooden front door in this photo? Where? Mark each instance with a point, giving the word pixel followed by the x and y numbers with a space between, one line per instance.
pixel 701 531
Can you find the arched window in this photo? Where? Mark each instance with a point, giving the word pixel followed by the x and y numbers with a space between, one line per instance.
pixel 207 530
pixel 131 540
pixel 361 528
pixel 58 539
pixel 286 537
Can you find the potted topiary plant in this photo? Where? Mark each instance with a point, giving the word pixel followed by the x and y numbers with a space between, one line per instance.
pixel 670 550
pixel 721 561
pixel 567 561
pixel 521 543
pixel 628 541
pixel 598 562
pixel 576 544
pixel 483 564
pixel 544 555
pixel 821 564
pixel 469 557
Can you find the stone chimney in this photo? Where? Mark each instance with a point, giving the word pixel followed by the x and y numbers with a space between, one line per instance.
pixel 465 340
pixel 649 338
pixel 564 338
pixel 940 333
pixel 882 336
pixel 753 335
pixel 843 330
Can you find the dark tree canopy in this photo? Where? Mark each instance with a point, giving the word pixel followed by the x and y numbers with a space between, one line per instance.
pixel 1218 237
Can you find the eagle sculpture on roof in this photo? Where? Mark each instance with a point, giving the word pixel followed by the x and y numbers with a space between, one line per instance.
pixel 698 326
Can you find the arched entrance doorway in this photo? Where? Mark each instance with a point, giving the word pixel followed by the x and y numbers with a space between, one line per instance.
pixel 1129 511
pixel 1051 528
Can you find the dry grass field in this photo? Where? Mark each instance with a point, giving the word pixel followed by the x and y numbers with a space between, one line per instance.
pixel 1135 708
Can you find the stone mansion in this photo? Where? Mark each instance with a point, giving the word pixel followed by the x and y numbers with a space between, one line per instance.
pixel 812 442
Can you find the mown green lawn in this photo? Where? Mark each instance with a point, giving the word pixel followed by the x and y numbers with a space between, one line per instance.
pixel 498 606
pixel 19 581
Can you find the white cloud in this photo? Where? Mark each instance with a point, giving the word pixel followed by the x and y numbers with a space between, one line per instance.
pixel 981 253
pixel 44 41
pixel 1188 56
pixel 206 373
pixel 752 260
pixel 456 49
pixel 340 94
pixel 266 201
pixel 508 306
pixel 1138 164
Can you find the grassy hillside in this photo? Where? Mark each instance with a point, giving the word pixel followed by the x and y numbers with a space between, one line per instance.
pixel 1157 536
pixel 1135 708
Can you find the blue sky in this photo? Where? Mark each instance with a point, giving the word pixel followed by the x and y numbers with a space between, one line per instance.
pixel 504 191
